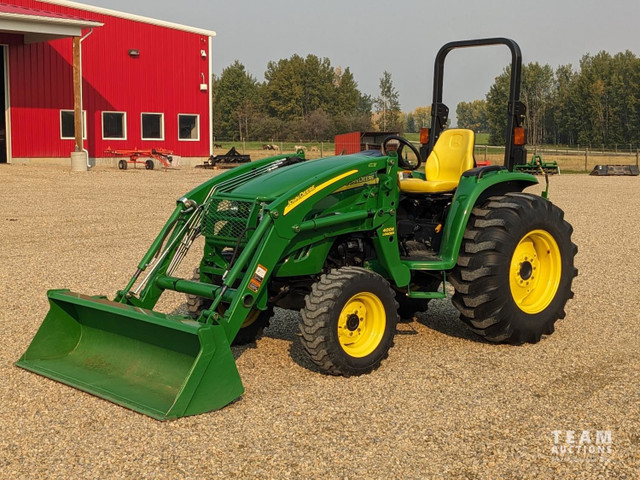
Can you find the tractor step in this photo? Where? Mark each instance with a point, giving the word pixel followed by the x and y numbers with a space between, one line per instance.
pixel 430 295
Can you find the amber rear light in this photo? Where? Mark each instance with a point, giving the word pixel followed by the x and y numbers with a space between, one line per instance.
pixel 424 136
pixel 519 136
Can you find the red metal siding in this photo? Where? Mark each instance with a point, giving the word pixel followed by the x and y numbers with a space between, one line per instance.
pixel 165 78
pixel 347 143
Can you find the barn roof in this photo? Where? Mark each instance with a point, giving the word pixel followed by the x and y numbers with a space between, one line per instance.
pixel 38 25
pixel 35 12
pixel 130 16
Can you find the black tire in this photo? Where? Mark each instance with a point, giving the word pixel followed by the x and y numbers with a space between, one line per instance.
pixel 149 165
pixel 250 331
pixel 122 164
pixel 515 269
pixel 372 321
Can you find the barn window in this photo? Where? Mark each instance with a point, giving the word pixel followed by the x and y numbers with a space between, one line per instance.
pixel 67 127
pixel 152 126
pixel 188 127
pixel 114 125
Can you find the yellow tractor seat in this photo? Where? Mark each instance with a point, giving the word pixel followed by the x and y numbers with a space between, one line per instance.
pixel 451 156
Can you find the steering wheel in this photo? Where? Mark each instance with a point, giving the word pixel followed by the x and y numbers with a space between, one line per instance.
pixel 401 160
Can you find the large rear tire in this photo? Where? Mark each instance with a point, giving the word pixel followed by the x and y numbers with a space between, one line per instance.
pixel 252 327
pixel 514 272
pixel 349 321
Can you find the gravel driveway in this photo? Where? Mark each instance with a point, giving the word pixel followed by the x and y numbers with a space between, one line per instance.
pixel 443 405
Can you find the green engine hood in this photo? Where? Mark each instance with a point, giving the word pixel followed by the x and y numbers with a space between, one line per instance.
pixel 273 184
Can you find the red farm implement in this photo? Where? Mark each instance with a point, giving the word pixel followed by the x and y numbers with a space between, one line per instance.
pixel 143 157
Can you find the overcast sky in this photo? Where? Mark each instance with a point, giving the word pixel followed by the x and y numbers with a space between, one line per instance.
pixel 403 36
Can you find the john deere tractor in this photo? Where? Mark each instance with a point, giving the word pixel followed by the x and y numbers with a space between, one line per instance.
pixel 354 242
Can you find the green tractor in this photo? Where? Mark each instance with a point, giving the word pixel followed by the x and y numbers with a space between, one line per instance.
pixel 354 242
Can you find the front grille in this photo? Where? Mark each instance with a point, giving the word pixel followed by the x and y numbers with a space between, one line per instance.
pixel 228 220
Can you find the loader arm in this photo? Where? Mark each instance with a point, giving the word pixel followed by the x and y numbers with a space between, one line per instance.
pixel 291 215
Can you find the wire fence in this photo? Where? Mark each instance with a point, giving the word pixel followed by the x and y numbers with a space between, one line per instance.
pixel 570 159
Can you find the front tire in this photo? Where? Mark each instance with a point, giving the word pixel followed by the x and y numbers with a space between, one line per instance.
pixel 349 321
pixel 515 269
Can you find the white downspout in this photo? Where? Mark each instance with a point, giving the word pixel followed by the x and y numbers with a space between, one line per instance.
pixel 210 96
pixel 84 127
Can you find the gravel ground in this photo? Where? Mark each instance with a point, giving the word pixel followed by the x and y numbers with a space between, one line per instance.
pixel 443 405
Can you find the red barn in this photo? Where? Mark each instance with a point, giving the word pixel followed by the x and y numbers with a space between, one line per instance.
pixel 145 83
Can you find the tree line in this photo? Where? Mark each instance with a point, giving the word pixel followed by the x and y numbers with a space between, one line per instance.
pixel 596 104
pixel 301 98
pixel 307 98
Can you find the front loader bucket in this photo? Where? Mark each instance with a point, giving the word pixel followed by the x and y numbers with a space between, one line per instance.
pixel 161 365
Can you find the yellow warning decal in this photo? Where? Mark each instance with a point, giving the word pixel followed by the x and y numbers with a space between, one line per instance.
pixel 388 231
pixel 258 278
pixel 312 190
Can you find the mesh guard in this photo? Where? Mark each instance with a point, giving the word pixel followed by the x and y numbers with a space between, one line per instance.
pixel 227 220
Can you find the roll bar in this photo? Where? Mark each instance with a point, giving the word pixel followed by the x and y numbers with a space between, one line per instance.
pixel 514 154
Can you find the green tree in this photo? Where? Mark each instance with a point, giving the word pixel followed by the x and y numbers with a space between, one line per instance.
pixel 311 98
pixel 597 105
pixel 353 109
pixel 388 105
pixel 497 99
pixel 236 101
pixel 297 86
pixel 592 90
pixel 216 115
pixel 565 108
pixel 347 95
pixel 318 125
pixel 422 117
pixel 536 93
pixel 473 115
pixel 410 123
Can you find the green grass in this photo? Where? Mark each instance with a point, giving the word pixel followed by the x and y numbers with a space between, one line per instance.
pixel 481 139
pixel 255 145
pixel 412 137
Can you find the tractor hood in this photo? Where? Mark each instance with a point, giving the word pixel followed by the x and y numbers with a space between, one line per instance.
pixel 274 184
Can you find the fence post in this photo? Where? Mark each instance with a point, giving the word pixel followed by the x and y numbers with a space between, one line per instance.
pixel 321 149
pixel 486 148
pixel 637 150
pixel 586 159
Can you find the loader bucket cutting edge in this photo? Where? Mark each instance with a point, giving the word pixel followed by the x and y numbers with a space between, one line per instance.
pixel 161 365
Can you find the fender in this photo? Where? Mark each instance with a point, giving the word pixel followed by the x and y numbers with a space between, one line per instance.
pixel 474 188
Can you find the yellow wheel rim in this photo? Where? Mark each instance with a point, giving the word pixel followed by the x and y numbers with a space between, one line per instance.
pixel 251 317
pixel 535 271
pixel 361 324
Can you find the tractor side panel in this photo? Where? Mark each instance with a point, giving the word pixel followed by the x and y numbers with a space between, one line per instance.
pixel 308 250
